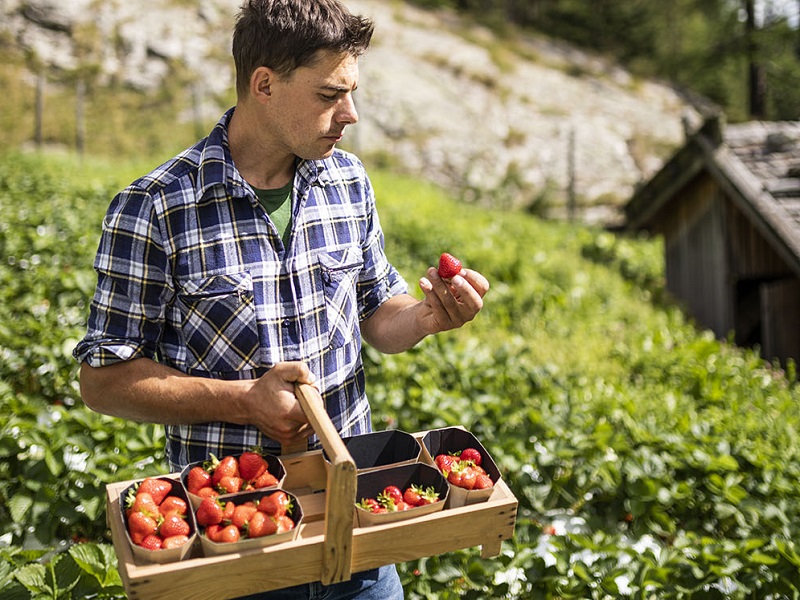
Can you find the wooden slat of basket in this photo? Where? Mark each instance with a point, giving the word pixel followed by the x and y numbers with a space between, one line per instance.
pixel 341 489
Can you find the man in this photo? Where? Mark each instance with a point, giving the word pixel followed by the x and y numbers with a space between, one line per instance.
pixel 255 260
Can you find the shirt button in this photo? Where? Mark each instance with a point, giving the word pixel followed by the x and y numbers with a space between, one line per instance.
pixel 287 323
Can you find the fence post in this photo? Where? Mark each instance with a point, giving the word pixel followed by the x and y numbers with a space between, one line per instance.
pixel 39 116
pixel 80 126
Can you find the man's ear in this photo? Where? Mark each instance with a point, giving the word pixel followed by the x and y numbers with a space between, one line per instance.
pixel 261 84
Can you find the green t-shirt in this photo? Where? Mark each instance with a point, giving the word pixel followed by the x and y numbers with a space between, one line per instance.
pixel 278 204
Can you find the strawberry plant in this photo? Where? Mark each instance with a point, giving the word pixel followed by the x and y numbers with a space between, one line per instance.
pixel 650 460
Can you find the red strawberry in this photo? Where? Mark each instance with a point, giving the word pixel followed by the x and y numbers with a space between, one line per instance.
pixel 445 462
pixel 140 526
pixel 468 477
pixel 173 504
pixel 483 481
pixel 227 467
pixel 449 266
pixel 152 542
pixel 473 455
pixel 417 496
pixel 393 492
pixel 207 492
pixel 197 478
pixel 212 531
pixel 370 505
pixel 228 535
pixel 230 485
pixel 276 504
pixel 251 465
pixel 142 502
pixel 285 523
pixel 227 511
pixel 412 495
pixel 157 488
pixel 209 512
pixel 265 480
pixel 176 541
pixel 173 525
pixel 261 524
pixel 241 515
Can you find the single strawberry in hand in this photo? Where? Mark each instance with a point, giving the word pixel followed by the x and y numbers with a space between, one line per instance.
pixel 449 266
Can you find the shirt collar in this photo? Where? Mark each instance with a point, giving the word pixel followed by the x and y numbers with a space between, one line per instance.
pixel 216 166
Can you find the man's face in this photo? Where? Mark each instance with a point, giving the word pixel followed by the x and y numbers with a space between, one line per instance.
pixel 312 107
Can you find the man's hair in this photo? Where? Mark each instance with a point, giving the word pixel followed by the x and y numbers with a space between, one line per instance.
pixel 286 34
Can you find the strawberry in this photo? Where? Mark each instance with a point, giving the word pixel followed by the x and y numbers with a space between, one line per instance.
pixel 455 476
pixel 417 496
pixel 261 524
pixel 212 531
pixel 468 476
pixel 412 495
pixel 140 526
pixel 209 512
pixel 276 504
pixel 251 465
pixel 173 525
pixel 393 492
pixel 152 542
pixel 197 478
pixel 157 488
pixel 228 535
pixel 445 462
pixel 227 511
pixel 265 480
pixel 449 266
pixel 473 455
pixel 241 515
pixel 173 504
pixel 370 505
pixel 230 485
pixel 175 541
pixel 483 481
pixel 285 523
pixel 142 502
pixel 207 492
pixel 227 467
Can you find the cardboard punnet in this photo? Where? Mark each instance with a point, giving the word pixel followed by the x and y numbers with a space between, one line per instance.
pixel 455 439
pixel 170 554
pixel 274 466
pixel 215 549
pixel 372 483
pixel 381 449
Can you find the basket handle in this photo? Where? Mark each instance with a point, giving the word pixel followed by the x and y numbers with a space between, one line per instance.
pixel 341 489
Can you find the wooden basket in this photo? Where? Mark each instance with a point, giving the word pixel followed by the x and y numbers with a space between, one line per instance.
pixel 327 548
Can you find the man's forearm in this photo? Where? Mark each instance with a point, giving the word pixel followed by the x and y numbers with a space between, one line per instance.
pixel 394 327
pixel 144 390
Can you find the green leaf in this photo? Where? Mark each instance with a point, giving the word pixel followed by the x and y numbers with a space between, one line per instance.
pixel 99 561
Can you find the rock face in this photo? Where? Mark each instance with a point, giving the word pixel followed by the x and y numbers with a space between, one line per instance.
pixel 528 123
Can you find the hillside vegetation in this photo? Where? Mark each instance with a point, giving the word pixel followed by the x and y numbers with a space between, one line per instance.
pixel 649 459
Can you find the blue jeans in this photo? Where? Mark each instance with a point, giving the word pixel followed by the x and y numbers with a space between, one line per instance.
pixel 376 584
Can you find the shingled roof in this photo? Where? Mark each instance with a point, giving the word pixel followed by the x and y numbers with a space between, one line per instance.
pixel 756 163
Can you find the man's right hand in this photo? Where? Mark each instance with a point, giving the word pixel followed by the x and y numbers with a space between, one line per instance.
pixel 274 407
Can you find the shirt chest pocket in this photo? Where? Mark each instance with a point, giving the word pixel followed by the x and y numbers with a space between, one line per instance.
pixel 218 320
pixel 339 272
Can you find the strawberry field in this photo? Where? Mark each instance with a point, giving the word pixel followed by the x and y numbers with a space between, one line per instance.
pixel 649 459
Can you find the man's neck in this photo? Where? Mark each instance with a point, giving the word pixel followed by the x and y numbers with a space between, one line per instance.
pixel 256 161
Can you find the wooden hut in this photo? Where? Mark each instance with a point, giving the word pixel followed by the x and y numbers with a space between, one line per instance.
pixel 728 207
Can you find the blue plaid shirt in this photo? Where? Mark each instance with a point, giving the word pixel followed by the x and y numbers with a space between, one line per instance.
pixel 192 273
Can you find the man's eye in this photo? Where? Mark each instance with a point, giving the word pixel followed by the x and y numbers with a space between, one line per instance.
pixel 329 97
